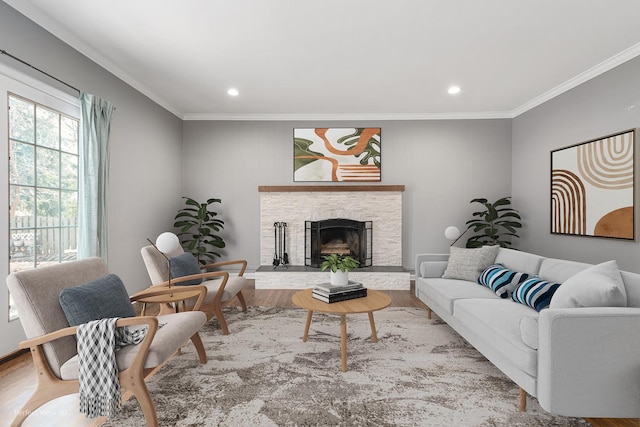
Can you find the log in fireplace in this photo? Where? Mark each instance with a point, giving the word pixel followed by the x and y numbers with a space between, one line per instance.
pixel 338 236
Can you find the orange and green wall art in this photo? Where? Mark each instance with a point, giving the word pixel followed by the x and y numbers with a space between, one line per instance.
pixel 336 154
pixel 593 186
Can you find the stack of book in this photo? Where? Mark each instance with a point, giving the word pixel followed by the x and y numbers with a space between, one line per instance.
pixel 330 293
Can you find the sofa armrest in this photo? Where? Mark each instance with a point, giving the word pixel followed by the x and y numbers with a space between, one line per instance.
pixel 434 265
pixel 589 362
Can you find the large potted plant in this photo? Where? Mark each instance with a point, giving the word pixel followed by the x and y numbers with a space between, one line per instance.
pixel 198 227
pixel 340 266
pixel 496 224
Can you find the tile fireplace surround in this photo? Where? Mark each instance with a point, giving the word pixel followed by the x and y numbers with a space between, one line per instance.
pixel 381 204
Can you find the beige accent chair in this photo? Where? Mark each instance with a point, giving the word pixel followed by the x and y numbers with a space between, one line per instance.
pixel 53 346
pixel 221 286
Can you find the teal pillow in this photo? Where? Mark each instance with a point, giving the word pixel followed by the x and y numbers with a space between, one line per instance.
pixel 99 299
pixel 535 292
pixel 185 264
pixel 501 280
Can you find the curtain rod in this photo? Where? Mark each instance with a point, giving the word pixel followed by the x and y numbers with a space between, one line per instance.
pixel 4 52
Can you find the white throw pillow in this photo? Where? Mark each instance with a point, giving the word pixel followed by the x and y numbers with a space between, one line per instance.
pixel 597 286
pixel 468 264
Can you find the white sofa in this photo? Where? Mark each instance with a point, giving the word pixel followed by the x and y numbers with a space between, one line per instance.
pixel 582 362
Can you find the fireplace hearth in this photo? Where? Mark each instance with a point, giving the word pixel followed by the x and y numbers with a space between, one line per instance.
pixel 338 236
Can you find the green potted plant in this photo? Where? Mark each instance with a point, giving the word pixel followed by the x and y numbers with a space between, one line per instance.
pixel 340 266
pixel 496 224
pixel 198 227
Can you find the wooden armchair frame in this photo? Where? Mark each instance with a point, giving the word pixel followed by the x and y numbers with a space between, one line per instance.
pixel 132 379
pixel 213 307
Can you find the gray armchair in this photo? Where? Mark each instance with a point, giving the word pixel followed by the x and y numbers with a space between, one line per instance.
pixel 221 286
pixel 53 346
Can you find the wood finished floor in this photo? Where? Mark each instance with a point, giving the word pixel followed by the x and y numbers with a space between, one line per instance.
pixel 17 378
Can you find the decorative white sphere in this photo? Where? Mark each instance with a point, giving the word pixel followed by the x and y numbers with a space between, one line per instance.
pixel 167 242
pixel 452 232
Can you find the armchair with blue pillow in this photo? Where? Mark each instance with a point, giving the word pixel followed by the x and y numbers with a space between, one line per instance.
pixel 56 302
pixel 175 268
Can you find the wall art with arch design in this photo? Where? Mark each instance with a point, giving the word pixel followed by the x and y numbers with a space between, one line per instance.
pixel 593 188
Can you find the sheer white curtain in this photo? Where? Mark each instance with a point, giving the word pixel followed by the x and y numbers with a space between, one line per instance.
pixel 93 194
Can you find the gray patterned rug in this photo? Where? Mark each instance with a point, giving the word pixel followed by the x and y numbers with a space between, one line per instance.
pixel 419 373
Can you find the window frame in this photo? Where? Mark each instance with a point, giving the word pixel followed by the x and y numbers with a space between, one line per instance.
pixel 25 86
pixel 35 252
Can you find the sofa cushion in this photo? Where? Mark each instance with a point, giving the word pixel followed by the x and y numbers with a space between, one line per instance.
pixel 597 286
pixel 501 280
pixel 559 270
pixel 102 298
pixel 519 261
pixel 468 264
pixel 444 292
pixel 535 292
pixel 185 264
pixel 497 323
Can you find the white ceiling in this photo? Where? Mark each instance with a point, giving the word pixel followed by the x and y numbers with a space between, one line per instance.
pixel 347 59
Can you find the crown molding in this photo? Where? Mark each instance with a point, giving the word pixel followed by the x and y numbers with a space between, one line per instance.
pixel 349 117
pixel 54 27
pixel 585 76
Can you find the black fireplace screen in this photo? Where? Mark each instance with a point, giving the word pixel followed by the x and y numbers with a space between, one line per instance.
pixel 337 236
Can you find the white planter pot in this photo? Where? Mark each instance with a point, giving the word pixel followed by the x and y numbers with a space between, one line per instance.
pixel 339 278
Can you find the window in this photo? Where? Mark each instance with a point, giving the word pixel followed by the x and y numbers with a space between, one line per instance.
pixel 43 186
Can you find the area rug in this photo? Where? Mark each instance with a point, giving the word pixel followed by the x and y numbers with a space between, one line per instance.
pixel 419 373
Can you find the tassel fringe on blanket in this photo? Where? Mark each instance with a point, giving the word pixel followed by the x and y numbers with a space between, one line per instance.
pixel 98 342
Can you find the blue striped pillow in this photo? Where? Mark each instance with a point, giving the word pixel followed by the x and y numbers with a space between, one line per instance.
pixel 535 292
pixel 501 280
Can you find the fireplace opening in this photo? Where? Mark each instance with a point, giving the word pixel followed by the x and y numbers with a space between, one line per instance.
pixel 338 236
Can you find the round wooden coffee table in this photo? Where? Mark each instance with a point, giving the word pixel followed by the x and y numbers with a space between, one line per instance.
pixel 374 301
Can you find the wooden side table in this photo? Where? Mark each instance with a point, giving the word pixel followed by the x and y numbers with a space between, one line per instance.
pixel 374 301
pixel 174 296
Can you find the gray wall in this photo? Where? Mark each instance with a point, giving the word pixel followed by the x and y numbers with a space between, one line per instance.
pixel 596 108
pixel 146 141
pixel 443 164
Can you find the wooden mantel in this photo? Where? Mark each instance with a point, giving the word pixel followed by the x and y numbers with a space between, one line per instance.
pixel 326 188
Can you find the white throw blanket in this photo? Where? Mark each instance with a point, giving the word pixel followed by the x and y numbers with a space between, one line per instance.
pixel 98 342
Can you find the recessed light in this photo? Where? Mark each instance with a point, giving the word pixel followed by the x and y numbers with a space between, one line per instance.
pixel 233 92
pixel 453 90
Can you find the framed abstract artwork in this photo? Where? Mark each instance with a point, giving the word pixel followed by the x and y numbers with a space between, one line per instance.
pixel 337 154
pixel 593 188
